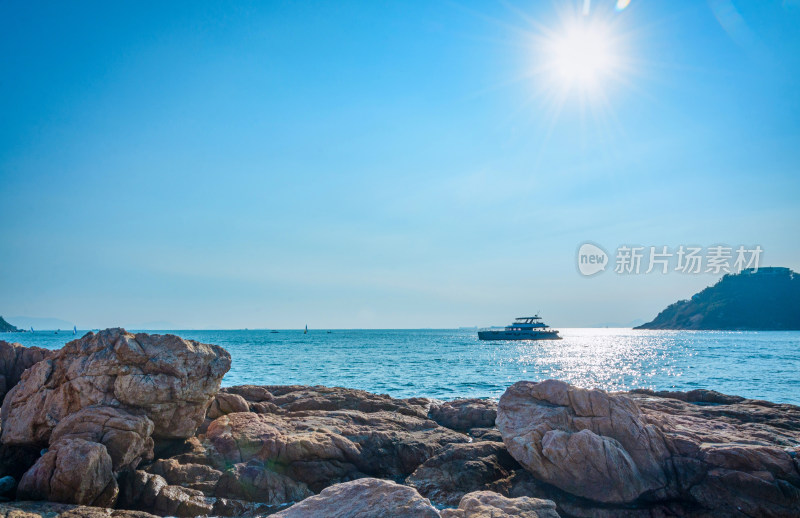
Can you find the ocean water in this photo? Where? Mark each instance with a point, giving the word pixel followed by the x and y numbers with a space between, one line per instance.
pixel 448 364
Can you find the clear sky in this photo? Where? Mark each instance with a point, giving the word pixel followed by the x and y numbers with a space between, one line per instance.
pixel 385 164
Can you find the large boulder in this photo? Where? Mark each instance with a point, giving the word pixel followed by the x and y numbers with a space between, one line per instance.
pixel 166 378
pixel 643 454
pixel 14 360
pixel 487 504
pixel 363 498
pixel 72 471
pixel 586 442
pixel 127 437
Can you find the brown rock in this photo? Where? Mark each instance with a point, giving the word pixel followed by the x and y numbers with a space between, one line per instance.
pixel 226 403
pixel 143 491
pixel 250 393
pixel 693 396
pixel 14 360
pixel 363 498
pixel 125 436
pixel 73 471
pixel 185 451
pixel 254 482
pixel 298 398
pixel 487 504
pixel 462 468
pixel 324 447
pixel 169 379
pixel 55 510
pixel 663 456
pixel 464 414
pixel 194 476
pixel 585 442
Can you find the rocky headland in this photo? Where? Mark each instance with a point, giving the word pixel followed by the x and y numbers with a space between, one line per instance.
pixel 765 299
pixel 130 426
pixel 5 327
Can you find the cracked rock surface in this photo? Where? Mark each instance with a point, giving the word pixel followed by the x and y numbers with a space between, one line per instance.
pixel 646 451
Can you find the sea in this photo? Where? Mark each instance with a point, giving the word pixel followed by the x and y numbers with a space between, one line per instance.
pixel 452 363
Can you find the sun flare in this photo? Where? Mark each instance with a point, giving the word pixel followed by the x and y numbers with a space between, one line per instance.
pixel 581 57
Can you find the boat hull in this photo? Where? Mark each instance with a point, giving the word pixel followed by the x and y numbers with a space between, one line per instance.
pixel 518 335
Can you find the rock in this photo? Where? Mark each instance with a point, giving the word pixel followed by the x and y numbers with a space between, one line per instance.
pixel 225 403
pixel 255 482
pixel 14 360
pixel 170 380
pixel 55 510
pixel 189 451
pixel 464 414
pixel 303 440
pixel 298 398
pixel 644 455
pixel 194 476
pixel 693 396
pixel 585 442
pixel 486 434
pixel 363 498
pixel 461 469
pixel 125 436
pixel 251 393
pixel 487 504
pixel 144 491
pixel 73 471
pixel 320 448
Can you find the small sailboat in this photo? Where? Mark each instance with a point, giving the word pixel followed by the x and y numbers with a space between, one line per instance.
pixel 74 330
pixel 306 330
pixel 31 329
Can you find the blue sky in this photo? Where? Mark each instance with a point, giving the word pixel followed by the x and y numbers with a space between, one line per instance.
pixel 382 164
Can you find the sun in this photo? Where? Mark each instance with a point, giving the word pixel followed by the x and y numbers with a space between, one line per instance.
pixel 581 57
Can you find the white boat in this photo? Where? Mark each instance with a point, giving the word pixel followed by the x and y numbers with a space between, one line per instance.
pixel 523 328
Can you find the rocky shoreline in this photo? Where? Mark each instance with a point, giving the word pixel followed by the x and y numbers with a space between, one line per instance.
pixel 124 425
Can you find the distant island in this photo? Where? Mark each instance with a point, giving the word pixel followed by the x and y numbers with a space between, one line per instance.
pixel 5 327
pixel 766 299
